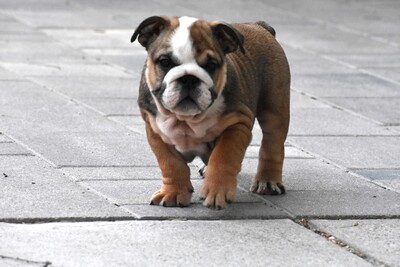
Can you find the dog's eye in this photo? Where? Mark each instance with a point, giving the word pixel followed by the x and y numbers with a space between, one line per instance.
pixel 212 65
pixel 165 62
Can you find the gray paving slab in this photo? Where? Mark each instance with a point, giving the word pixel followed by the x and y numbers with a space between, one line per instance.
pixel 7 148
pixel 331 121
pixel 18 262
pixel 5 139
pixel 384 110
pixel 125 192
pixel 317 189
pixel 300 100
pixel 345 85
pixel 114 106
pixel 120 173
pixel 376 238
pixel 290 152
pixel 52 123
pixel 387 177
pixel 65 69
pixel 369 60
pixel 6 75
pixel 354 152
pixel 167 243
pixel 389 73
pixel 196 211
pixel 33 190
pixel 18 52
pixel 87 86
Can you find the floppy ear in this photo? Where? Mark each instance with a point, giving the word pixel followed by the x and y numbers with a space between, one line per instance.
pixel 149 30
pixel 228 37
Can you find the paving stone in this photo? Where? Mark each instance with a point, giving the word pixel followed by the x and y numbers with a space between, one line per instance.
pixel 93 87
pixel 234 211
pixel 125 242
pixel 23 54
pixel 103 38
pixel 384 110
pixel 132 63
pixel 120 173
pixel 302 63
pixel 34 190
pixel 133 123
pixel 114 106
pixel 72 18
pixel 6 75
pixel 298 100
pixel 92 70
pixel 51 124
pixel 317 189
pixel 12 149
pixel 345 85
pixel 390 178
pixel 125 192
pixel 376 238
pixel 290 152
pixel 331 121
pixel 370 60
pixel 99 149
pixel 305 175
pixel 354 152
pixel 327 39
pixel 389 73
pixel 5 139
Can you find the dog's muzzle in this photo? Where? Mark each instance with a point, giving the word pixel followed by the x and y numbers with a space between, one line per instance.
pixel 189 90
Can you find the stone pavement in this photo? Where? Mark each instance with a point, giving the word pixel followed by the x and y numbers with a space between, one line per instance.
pixel 76 172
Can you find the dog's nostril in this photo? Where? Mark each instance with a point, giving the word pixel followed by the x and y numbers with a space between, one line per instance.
pixel 189 80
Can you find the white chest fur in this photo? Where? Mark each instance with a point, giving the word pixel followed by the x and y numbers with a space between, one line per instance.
pixel 192 137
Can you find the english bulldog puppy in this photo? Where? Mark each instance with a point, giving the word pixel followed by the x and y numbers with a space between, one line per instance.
pixel 202 87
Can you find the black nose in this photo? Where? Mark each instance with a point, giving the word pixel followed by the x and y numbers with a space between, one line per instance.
pixel 189 81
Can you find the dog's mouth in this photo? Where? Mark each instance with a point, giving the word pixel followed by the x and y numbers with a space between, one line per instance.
pixel 188 105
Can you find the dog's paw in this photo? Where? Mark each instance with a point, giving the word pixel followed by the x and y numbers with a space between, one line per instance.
pixel 267 188
pixel 217 196
pixel 169 196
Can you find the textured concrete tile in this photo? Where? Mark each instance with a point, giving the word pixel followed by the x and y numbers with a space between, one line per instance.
pixel 84 38
pixel 354 152
pixel 318 189
pixel 384 110
pixel 330 121
pixel 390 178
pixel 64 69
pixel 113 148
pixel 144 243
pixel 21 52
pixel 87 86
pixel 345 85
pixel 12 149
pixel 49 124
pixel 234 211
pixel 34 190
pixel 362 201
pixel 5 139
pixel 306 175
pixel 6 75
pixel 133 123
pixel 326 39
pixel 290 152
pixel 120 173
pixel 376 238
pixel 114 106
pixel 371 60
pixel 74 18
pixel 139 192
pixel 298 100
pixel 133 63
pixel 389 73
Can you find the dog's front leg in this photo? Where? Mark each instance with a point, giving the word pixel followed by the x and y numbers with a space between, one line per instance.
pixel 219 187
pixel 176 189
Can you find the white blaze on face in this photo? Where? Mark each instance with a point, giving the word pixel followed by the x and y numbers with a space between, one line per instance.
pixel 182 50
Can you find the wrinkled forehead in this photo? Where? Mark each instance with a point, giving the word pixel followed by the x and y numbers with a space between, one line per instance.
pixel 190 40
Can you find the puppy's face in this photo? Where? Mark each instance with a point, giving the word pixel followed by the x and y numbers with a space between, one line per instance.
pixel 186 68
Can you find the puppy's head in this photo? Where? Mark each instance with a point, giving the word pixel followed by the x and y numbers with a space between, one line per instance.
pixel 186 67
